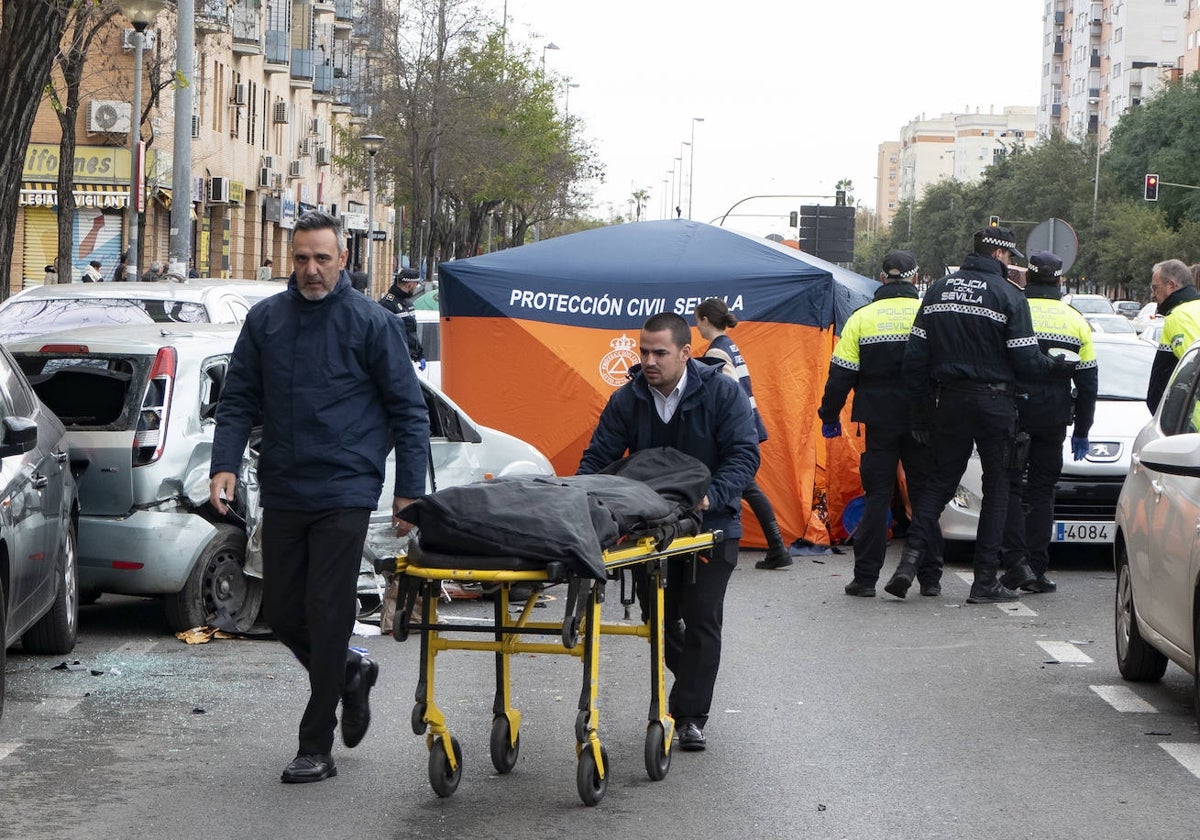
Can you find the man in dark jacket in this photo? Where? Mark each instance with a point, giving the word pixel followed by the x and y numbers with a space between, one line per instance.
pixel 1045 407
pixel 327 372
pixel 971 337
pixel 398 300
pixel 868 359
pixel 1178 302
pixel 675 400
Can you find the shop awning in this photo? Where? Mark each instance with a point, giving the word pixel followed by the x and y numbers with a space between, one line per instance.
pixel 101 196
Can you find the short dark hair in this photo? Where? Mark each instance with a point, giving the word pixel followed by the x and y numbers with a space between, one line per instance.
pixel 718 314
pixel 318 220
pixel 681 333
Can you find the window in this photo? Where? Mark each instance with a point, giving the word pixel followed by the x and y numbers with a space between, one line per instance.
pixel 1180 410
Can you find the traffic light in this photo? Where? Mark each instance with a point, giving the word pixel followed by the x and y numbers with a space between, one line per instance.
pixel 1151 188
pixel 793 218
pixel 993 221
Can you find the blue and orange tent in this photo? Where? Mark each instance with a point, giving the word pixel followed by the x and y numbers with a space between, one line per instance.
pixel 536 338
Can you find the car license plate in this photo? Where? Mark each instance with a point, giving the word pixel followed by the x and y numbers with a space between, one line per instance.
pixel 1083 532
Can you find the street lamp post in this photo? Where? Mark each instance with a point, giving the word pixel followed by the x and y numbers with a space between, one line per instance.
pixel 677 193
pixel 692 162
pixel 372 143
pixel 567 97
pixel 550 45
pixel 140 13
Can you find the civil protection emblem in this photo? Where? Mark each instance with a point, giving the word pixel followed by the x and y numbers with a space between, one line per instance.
pixel 614 367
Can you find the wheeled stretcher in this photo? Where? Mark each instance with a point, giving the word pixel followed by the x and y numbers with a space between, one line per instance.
pixel 421 574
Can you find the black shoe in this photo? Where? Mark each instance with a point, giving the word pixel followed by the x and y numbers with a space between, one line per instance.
pixel 773 561
pixel 1018 577
pixel 1040 584
pixel 691 738
pixel 993 593
pixel 860 590
pixel 308 768
pixel 901 580
pixel 931 590
pixel 356 706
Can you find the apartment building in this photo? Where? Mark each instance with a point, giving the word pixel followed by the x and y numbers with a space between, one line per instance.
pixel 953 145
pixel 1191 28
pixel 1102 57
pixel 275 91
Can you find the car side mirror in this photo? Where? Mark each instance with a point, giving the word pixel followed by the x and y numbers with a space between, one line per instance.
pixel 20 436
pixel 1174 455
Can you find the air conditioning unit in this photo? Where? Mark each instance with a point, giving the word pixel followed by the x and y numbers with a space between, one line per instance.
pixel 195 126
pixel 108 115
pixel 324 156
pixel 239 95
pixel 268 162
pixel 266 177
pixel 296 169
pixel 218 190
pixel 281 113
pixel 306 147
pixel 149 39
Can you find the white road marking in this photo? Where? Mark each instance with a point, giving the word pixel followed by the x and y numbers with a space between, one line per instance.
pixel 1016 608
pixel 967 577
pixel 7 749
pixel 1123 699
pixel 1186 754
pixel 1065 652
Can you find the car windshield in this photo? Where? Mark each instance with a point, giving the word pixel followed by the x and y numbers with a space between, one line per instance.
pixel 1098 305
pixel 1124 369
pixel 1111 324
pixel 33 316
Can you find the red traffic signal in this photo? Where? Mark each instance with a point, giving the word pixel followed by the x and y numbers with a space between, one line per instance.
pixel 1151 193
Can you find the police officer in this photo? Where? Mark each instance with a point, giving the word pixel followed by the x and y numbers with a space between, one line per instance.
pixel 398 299
pixel 868 358
pixel 1044 409
pixel 971 336
pixel 1178 302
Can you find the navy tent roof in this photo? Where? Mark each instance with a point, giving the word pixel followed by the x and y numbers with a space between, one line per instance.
pixel 616 276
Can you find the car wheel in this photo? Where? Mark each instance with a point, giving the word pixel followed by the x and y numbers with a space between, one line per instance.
pixel 216 585
pixel 55 632
pixel 1136 659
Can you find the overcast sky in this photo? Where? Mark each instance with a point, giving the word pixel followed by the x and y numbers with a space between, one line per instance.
pixel 794 95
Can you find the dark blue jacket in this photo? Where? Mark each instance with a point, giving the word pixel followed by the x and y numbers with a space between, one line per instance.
pixel 333 384
pixel 716 426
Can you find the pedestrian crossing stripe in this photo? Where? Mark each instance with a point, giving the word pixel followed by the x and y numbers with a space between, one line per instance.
pixel 1123 699
pixel 1065 652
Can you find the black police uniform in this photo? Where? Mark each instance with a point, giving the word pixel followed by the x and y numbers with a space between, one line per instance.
pixel 1045 408
pixel 868 358
pixel 400 302
pixel 971 335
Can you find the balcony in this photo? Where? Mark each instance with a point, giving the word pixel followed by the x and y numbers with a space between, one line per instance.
pixel 212 16
pixel 1060 18
pixel 323 79
pixel 1056 110
pixel 279 51
pixel 1058 46
pixel 343 11
pixel 246 25
pixel 1093 94
pixel 303 62
pixel 1095 60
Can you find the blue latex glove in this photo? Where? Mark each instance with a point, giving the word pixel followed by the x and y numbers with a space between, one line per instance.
pixel 831 430
pixel 421 365
pixel 1079 448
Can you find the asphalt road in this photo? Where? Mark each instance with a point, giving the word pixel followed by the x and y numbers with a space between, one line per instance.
pixel 835 717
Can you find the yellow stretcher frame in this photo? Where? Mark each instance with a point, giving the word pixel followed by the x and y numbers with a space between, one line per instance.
pixel 583 613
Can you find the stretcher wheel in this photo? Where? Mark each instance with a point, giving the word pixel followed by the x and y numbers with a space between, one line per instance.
pixel 504 752
pixel 418 719
pixel 587 776
pixel 658 753
pixel 442 779
pixel 570 631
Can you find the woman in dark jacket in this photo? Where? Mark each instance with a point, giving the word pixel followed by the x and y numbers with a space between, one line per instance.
pixel 713 319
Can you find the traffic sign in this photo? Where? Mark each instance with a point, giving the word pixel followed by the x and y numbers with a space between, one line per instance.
pixel 1056 236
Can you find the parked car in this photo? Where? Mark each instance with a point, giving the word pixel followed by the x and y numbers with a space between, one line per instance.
pixel 139 405
pixel 1111 324
pixel 1085 497
pixel 1127 308
pixel 39 603
pixel 1146 316
pixel 1090 304
pixel 1152 333
pixel 45 309
pixel 1156 555
pixel 252 290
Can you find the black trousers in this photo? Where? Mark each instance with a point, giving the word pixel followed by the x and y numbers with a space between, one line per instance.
pixel 1030 516
pixel 310 576
pixel 962 420
pixel 887 446
pixel 760 506
pixel 694 612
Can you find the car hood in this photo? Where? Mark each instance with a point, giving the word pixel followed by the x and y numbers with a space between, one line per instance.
pixel 1111 438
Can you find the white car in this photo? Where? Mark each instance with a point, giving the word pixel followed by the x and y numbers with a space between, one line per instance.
pixel 1090 304
pixel 69 306
pixel 1111 324
pixel 1146 316
pixel 1085 497
pixel 1156 553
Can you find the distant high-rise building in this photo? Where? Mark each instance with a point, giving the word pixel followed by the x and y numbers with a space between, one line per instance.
pixel 1101 57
